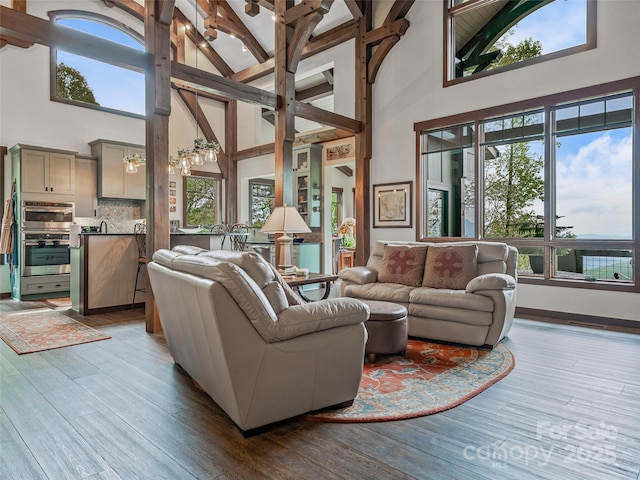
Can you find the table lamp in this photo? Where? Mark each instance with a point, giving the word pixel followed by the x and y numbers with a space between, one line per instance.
pixel 285 220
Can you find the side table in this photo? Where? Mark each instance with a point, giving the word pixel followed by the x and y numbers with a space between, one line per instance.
pixel 309 279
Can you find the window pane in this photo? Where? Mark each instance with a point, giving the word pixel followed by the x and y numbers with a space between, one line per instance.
pixel 593 184
pixel 514 190
pixel 496 34
pixel 201 201
pixel 262 199
pixel 111 86
pixel 602 264
pixel 530 260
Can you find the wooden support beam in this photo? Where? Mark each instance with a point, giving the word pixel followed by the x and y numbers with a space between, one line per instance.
pixel 211 22
pixel 165 11
pixel 231 143
pixel 396 28
pixel 179 41
pixel 253 152
pixel 222 86
pixel 304 28
pixel 399 9
pixel 16 42
pixel 317 44
pixel 130 6
pixel 210 54
pixel 44 32
pixel 325 117
pixel 158 101
pixel 252 8
pixel 19 5
pixel 306 7
pixel 190 99
pixel 312 93
pixel 355 8
pixel 379 55
pixel 201 93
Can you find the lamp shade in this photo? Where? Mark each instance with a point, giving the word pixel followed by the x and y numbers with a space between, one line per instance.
pixel 285 220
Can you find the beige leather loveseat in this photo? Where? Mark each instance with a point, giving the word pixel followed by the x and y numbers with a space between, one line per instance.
pixel 463 292
pixel 238 330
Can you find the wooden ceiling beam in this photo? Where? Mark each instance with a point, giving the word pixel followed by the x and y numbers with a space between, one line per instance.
pixel 130 6
pixel 16 42
pixel 202 93
pixel 34 29
pixel 317 44
pixel 325 117
pixel 19 5
pixel 304 27
pixel 306 7
pixel 312 93
pixel 355 8
pixel 397 28
pixel 399 9
pixel 190 99
pixel 230 23
pixel 222 86
pixel 257 151
pixel 165 11
pixel 208 51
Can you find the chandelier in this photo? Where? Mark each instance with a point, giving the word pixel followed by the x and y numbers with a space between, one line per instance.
pixel 201 151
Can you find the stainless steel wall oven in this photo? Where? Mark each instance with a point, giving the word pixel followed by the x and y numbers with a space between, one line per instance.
pixel 45 238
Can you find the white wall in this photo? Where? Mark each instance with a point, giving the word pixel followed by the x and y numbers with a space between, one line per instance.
pixel 409 89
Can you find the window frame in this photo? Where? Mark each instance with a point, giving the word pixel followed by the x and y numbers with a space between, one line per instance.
pixel 449 12
pixel 548 244
pixel 258 181
pixel 197 173
pixel 53 58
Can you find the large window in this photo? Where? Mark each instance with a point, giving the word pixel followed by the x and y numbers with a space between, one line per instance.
pixel 485 35
pixel 261 200
pixel 90 83
pixel 557 182
pixel 201 199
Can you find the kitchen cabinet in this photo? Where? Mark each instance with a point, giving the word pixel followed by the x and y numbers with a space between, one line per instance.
pixel 43 170
pixel 86 186
pixel 307 166
pixel 113 180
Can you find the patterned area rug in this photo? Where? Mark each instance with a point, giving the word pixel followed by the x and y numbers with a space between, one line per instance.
pixel 430 378
pixel 44 329
pixel 58 302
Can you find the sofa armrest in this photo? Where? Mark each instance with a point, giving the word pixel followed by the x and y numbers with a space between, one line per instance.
pixel 359 275
pixel 312 317
pixel 491 281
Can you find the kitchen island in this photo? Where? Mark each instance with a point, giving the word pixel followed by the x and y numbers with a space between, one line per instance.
pixel 103 273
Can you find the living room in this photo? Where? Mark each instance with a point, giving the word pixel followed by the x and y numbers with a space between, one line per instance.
pixel 407 94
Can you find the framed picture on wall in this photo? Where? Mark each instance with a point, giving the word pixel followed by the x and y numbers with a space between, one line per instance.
pixel 392 205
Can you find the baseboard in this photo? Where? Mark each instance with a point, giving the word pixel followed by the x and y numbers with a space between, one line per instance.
pixel 590 321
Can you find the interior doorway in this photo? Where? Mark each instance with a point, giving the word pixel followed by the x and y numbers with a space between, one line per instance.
pixel 338 204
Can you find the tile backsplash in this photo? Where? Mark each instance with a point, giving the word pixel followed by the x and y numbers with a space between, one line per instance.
pixel 120 215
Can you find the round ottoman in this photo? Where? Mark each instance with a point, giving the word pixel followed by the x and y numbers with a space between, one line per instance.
pixel 387 329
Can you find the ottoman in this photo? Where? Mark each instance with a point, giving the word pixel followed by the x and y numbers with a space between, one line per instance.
pixel 387 329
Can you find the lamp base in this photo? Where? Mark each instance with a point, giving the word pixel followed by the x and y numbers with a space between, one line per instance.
pixel 284 245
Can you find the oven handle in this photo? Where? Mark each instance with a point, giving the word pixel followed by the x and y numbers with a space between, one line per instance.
pixel 35 243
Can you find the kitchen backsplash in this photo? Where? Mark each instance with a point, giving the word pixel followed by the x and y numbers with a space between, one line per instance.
pixel 120 215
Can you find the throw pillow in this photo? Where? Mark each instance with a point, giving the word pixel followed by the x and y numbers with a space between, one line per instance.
pixel 403 264
pixel 450 266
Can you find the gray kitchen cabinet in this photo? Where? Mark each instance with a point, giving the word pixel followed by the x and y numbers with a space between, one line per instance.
pixel 44 170
pixel 307 178
pixel 113 180
pixel 86 186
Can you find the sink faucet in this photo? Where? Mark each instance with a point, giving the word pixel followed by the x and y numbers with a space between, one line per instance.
pixel 105 226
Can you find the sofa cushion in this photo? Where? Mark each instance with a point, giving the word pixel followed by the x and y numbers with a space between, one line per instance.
pixel 446 297
pixel 403 264
pixel 458 315
pixel 388 292
pixel 252 263
pixel 276 296
pixel 451 266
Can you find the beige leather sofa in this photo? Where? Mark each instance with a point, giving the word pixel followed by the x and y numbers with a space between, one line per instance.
pixel 479 313
pixel 248 340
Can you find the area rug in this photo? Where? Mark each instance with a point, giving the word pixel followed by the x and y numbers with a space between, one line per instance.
pixel 429 378
pixel 44 329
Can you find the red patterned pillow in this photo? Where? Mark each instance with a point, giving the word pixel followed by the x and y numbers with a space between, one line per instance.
pixel 450 266
pixel 403 264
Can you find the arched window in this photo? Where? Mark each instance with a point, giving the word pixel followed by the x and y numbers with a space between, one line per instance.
pixel 89 83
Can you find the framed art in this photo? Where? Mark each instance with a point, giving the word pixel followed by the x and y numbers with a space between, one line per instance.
pixel 392 205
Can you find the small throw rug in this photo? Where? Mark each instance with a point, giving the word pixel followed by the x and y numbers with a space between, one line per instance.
pixel 429 378
pixel 44 329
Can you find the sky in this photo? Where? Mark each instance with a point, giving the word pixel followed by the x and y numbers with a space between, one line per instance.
pixel 558 25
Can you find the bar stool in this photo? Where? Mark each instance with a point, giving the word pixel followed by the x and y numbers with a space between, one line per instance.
pixel 140 233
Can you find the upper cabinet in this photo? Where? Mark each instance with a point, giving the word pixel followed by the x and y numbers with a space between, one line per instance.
pixel 43 170
pixel 307 166
pixel 113 180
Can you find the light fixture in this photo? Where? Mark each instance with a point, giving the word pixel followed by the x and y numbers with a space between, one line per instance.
pixel 285 220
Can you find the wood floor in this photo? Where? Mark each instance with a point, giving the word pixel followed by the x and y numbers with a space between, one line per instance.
pixel 120 409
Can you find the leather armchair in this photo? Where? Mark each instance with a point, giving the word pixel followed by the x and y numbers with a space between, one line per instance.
pixel 246 338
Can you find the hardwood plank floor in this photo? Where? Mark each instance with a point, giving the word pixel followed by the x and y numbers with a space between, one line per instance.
pixel 120 409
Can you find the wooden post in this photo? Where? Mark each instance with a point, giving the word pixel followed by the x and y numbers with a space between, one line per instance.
pixel 158 108
pixel 231 146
